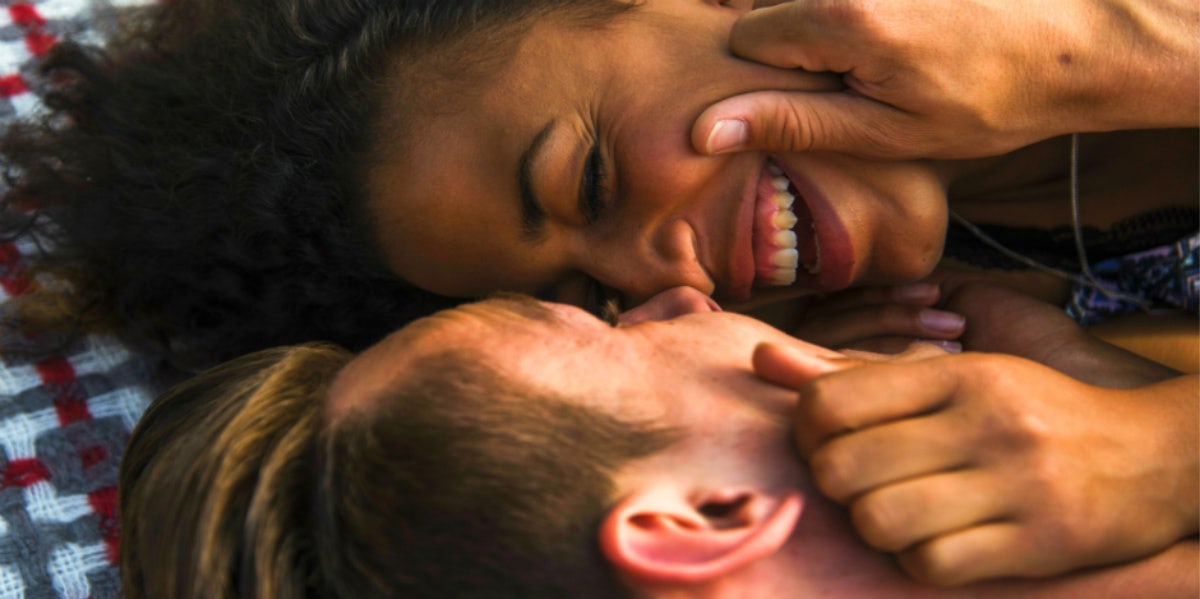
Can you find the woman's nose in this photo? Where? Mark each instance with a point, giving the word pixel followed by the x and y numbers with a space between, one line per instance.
pixel 648 260
pixel 669 304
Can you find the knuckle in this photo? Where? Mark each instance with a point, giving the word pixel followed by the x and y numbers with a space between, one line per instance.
pixel 790 128
pixel 809 429
pixel 834 471
pixel 824 411
pixel 882 524
pixel 1013 424
pixel 927 563
pixel 851 14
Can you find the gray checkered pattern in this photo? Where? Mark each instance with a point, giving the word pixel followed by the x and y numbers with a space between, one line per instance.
pixel 66 411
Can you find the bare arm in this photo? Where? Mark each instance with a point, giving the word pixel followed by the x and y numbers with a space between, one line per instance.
pixel 983 465
pixel 1171 574
pixel 952 79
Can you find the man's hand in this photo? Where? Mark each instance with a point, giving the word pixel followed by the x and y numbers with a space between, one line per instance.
pixel 954 79
pixel 978 466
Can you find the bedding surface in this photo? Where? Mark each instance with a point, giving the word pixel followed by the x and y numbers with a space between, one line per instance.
pixel 66 411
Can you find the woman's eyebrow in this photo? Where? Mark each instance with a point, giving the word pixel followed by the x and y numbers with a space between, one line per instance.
pixel 533 213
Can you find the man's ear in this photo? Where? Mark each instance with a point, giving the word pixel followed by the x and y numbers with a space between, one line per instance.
pixel 662 536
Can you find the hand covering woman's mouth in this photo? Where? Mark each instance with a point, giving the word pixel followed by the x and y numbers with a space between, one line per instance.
pixel 784 235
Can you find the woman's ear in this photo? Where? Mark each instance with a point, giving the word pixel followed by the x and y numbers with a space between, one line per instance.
pixel 663 536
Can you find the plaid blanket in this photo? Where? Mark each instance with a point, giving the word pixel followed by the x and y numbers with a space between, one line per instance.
pixel 65 411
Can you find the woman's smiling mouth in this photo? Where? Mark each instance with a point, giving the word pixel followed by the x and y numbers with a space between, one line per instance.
pixel 784 237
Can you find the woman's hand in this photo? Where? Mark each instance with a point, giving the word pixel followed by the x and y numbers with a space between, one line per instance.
pixel 1003 320
pixel 978 466
pixel 952 79
pixel 879 319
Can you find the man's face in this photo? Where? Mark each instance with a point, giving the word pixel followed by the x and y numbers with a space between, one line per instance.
pixel 569 175
pixel 692 371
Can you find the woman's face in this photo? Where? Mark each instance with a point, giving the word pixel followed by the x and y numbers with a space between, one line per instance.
pixel 568 174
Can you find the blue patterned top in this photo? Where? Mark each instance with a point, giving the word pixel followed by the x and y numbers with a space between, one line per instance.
pixel 1163 278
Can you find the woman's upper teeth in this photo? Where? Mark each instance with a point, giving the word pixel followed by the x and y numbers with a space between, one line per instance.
pixel 785 239
pixel 781 259
pixel 785 218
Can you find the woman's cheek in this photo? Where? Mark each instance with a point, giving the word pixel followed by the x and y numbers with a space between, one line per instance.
pixel 918 248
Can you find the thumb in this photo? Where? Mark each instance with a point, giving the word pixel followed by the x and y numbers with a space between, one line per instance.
pixel 793 367
pixel 777 121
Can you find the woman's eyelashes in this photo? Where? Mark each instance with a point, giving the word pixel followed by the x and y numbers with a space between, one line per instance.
pixel 593 192
pixel 598 298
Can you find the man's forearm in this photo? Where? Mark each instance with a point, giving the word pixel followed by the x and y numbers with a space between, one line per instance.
pixel 1145 67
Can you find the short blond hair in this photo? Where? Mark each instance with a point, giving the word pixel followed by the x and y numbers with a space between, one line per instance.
pixel 457 483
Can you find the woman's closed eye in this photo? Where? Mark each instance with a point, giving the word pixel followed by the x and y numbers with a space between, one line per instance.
pixel 593 189
pixel 594 196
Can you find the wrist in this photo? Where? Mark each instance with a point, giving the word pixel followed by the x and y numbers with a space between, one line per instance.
pixel 1176 424
pixel 1107 365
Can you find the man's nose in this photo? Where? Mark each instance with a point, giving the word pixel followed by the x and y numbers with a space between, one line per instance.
pixel 668 304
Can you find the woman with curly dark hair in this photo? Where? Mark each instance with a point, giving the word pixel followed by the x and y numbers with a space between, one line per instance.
pixel 231 175
pixel 197 181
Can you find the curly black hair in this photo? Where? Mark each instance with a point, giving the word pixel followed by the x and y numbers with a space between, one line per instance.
pixel 197 179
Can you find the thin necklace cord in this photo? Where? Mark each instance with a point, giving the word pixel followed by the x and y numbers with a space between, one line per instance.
pixel 1085 277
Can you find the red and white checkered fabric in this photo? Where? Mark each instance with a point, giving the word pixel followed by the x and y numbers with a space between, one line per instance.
pixel 67 411
pixel 65 417
pixel 28 29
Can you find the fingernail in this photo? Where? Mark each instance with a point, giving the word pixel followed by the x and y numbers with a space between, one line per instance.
pixel 916 293
pixel 726 135
pixel 942 322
